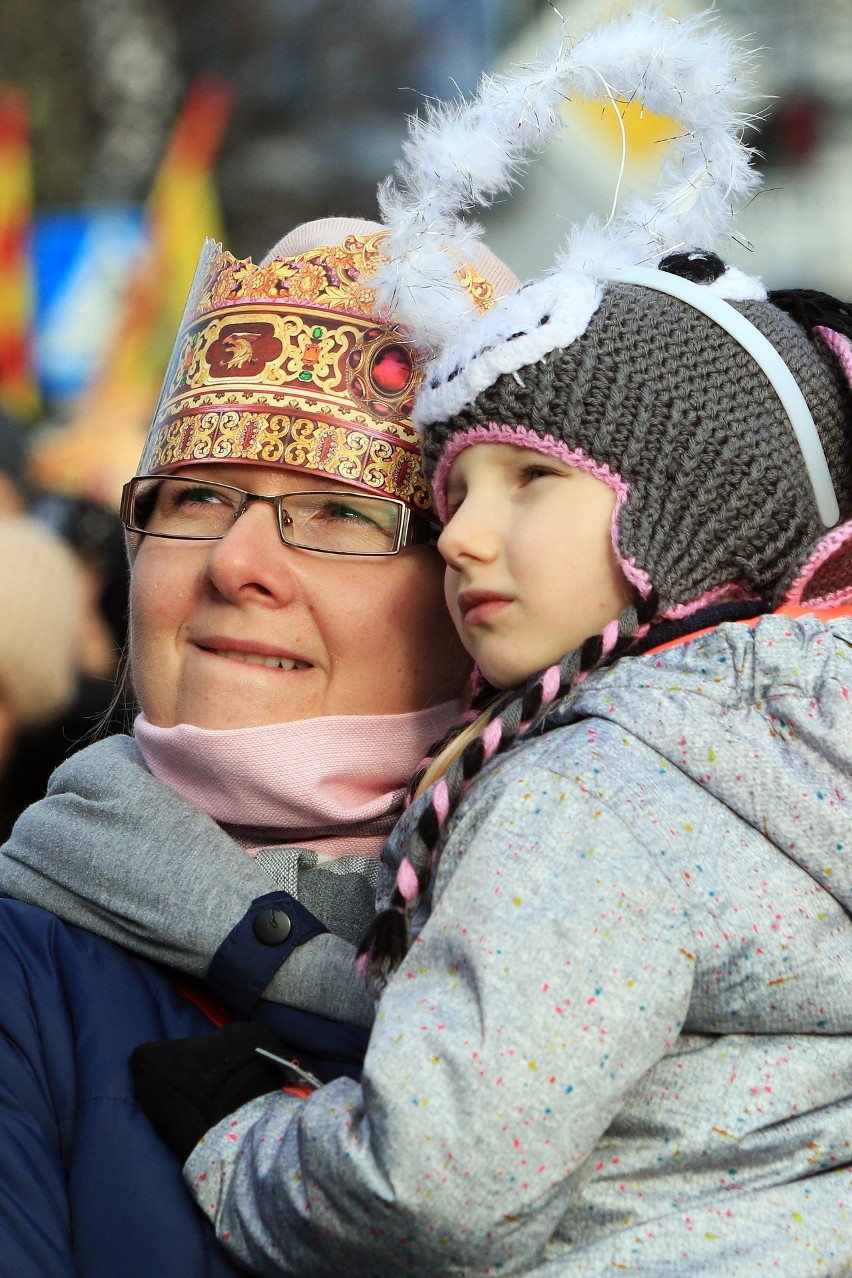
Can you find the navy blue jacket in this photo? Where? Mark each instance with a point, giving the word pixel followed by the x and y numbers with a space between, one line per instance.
pixel 87 1190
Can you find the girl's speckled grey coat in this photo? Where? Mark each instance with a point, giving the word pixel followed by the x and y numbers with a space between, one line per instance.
pixel 622 1040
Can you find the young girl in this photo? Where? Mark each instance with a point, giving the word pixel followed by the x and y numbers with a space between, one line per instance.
pixel 616 1030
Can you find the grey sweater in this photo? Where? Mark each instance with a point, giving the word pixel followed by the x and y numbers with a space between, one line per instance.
pixel 114 850
pixel 622 1040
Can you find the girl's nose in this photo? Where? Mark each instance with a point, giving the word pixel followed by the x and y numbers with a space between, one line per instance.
pixel 251 561
pixel 471 533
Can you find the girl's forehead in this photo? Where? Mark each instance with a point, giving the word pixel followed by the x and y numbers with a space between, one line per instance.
pixel 496 456
pixel 494 449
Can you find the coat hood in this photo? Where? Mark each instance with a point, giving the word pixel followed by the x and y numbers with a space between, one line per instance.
pixel 760 716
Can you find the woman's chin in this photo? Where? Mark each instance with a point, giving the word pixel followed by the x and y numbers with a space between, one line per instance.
pixel 237 695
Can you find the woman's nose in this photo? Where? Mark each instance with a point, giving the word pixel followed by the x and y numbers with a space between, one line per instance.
pixel 251 560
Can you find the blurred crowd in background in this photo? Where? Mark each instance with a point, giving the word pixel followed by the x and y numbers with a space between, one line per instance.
pixel 63 604
pixel 132 129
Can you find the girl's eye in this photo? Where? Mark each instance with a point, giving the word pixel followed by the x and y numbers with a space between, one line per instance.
pixel 453 499
pixel 530 473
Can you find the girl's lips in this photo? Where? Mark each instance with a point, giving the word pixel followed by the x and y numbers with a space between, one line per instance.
pixel 478 606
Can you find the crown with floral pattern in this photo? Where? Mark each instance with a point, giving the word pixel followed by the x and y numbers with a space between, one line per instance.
pixel 294 363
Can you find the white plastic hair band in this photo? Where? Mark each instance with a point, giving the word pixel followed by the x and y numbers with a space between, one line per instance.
pixel 767 358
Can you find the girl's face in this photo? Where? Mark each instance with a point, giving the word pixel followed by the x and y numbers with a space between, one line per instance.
pixel 531 568
pixel 246 631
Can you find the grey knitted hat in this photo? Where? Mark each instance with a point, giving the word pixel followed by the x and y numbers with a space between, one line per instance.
pixel 715 497
pixel 720 415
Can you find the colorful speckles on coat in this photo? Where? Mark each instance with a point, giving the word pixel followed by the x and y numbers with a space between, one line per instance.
pixel 622 1041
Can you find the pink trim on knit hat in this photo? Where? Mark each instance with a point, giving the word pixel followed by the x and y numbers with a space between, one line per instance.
pixel 523 437
pixel 840 346
pixel 831 555
pixel 731 590
pixel 637 576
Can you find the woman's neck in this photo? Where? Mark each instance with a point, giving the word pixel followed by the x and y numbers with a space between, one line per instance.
pixel 334 784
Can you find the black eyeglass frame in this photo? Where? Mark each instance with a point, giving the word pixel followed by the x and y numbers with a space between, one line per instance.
pixel 412 530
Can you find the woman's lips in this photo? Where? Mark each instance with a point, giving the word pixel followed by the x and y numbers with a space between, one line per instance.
pixel 478 606
pixel 253 655
pixel 256 659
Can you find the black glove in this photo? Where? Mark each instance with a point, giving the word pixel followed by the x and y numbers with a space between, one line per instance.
pixel 187 1085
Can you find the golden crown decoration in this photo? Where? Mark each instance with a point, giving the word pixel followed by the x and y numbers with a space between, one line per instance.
pixel 292 363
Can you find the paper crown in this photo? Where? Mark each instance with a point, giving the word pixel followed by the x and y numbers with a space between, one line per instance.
pixel 295 364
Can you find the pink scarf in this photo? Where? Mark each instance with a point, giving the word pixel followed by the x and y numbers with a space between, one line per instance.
pixel 334 784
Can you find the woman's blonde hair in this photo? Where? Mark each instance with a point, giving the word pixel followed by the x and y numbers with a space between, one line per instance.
pixel 446 757
pixel 509 717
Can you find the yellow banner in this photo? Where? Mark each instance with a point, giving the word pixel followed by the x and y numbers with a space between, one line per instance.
pixel 18 389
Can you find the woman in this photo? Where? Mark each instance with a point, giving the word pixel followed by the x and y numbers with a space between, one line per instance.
pixel 293 660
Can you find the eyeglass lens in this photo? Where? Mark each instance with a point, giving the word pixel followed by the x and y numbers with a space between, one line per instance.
pixel 344 523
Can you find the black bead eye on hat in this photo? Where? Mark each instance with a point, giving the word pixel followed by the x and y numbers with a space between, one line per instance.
pixel 719 413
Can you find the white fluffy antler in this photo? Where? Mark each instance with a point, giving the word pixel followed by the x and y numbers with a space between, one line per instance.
pixel 464 154
pixel 461 155
pixel 691 71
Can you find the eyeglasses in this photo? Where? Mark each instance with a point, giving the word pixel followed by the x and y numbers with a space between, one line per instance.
pixel 335 523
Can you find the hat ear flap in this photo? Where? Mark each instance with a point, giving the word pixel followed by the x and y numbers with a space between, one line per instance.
pixel 824 580
pixel 840 346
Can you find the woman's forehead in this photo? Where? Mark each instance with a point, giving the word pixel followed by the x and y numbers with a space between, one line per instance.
pixel 257 478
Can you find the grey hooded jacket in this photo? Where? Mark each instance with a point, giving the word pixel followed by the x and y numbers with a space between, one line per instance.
pixel 622 1040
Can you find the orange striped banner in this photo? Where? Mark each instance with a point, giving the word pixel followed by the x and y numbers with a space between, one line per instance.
pixel 183 210
pixel 18 388
pixel 101 446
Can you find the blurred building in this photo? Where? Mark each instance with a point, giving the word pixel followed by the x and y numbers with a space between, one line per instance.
pixel 321 89
pixel 798 225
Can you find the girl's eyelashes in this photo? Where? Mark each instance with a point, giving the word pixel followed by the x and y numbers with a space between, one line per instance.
pixel 538 471
pixel 452 500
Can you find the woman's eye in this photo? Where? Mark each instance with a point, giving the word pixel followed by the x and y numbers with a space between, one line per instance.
pixel 200 496
pixel 349 514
